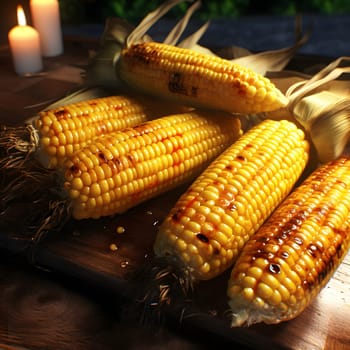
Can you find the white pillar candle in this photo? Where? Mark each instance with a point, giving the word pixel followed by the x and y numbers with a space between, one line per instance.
pixel 25 46
pixel 46 19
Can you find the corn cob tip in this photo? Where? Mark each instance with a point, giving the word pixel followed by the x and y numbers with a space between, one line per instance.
pixel 246 315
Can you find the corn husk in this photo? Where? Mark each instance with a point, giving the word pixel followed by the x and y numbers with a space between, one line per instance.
pixel 137 35
pixel 101 70
pixel 119 33
pixel 271 61
pixel 321 105
pixel 268 61
pixel 330 131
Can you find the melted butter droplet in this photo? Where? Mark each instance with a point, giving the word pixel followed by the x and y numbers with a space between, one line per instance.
pixel 298 241
pixel 274 268
pixel 285 255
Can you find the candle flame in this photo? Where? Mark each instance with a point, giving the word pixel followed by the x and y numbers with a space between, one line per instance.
pixel 21 17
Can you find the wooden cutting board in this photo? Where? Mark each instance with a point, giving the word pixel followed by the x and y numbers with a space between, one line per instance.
pixel 83 251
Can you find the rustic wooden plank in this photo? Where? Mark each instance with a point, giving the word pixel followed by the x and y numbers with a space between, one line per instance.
pixel 82 251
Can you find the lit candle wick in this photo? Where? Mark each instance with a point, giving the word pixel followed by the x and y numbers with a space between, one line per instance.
pixel 21 17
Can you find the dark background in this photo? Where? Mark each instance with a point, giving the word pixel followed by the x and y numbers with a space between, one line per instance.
pixel 77 12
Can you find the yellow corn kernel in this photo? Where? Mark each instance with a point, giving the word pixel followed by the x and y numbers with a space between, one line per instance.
pixel 120 229
pixel 128 172
pixel 73 126
pixel 310 241
pixel 226 208
pixel 264 291
pixel 197 79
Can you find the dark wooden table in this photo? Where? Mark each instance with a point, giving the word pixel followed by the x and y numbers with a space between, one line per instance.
pixel 71 294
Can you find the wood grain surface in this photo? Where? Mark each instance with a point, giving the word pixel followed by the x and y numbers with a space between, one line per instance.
pixel 82 251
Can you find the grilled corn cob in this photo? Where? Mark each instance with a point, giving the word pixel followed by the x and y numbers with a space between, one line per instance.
pixel 66 129
pixel 122 169
pixel 230 200
pixel 57 133
pixel 283 267
pixel 197 79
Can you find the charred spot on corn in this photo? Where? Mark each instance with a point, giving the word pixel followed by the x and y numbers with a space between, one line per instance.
pixel 102 157
pixel 62 114
pixel 240 158
pixel 140 53
pixel 202 237
pixel 74 170
pixel 324 269
pixel 177 85
pixel 177 215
